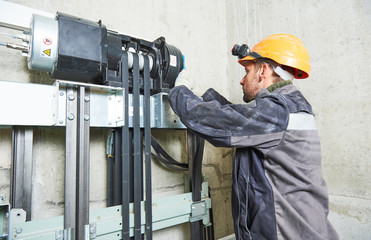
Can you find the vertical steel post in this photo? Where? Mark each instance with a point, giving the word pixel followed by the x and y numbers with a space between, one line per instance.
pixel 76 208
pixel 137 146
pixel 22 161
pixel 195 152
pixel 110 168
pixel 126 156
pixel 118 168
pixel 83 165
pixel 70 164
pixel 147 151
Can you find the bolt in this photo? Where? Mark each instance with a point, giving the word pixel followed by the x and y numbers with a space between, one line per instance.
pixel 60 121
pixel 86 118
pixel 59 237
pixel 71 116
pixel 61 93
pixel 87 99
pixel 109 98
pixel 18 230
pixel 92 231
pixel 71 97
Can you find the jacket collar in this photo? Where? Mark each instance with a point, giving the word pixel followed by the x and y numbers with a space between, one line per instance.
pixel 276 85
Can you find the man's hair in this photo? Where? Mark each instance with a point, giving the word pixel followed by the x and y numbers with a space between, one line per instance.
pixel 259 63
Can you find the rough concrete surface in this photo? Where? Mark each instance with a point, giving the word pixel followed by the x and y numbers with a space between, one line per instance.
pixel 337 35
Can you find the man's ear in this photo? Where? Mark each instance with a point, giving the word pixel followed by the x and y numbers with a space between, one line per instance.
pixel 262 73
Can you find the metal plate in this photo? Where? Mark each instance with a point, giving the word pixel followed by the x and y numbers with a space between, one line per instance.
pixel 27 104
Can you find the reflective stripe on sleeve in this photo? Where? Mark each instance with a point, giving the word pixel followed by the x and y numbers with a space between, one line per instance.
pixel 301 121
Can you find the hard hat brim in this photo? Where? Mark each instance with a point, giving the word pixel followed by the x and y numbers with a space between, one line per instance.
pixel 243 61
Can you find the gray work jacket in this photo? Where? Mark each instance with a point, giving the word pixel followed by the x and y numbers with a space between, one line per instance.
pixel 278 191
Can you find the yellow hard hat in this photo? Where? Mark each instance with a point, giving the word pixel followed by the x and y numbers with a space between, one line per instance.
pixel 286 50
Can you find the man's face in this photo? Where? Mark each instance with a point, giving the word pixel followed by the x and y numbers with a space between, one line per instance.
pixel 250 82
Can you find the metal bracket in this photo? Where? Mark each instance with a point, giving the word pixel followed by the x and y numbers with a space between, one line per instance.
pixel 59 235
pixel 198 211
pixel 93 230
pixel 17 215
pixel 64 234
pixel 68 234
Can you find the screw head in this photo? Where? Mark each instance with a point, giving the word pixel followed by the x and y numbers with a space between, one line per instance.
pixel 18 230
pixel 70 116
pixel 87 99
pixel 71 97
pixel 86 118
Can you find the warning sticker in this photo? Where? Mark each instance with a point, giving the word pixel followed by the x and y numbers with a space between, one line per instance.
pixel 47 41
pixel 172 60
pixel 46 53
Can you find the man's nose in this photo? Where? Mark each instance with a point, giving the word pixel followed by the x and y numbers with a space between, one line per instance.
pixel 242 81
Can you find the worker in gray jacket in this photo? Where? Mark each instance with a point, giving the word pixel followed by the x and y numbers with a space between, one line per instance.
pixel 278 191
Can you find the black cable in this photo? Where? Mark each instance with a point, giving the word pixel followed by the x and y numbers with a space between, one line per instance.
pixel 163 157
pixel 167 164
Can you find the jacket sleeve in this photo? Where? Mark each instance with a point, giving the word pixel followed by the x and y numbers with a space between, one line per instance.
pixel 231 125
pixel 211 95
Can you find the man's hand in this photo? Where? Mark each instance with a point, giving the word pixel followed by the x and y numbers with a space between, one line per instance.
pixel 185 79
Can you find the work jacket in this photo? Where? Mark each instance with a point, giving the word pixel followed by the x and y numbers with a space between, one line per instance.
pixel 278 191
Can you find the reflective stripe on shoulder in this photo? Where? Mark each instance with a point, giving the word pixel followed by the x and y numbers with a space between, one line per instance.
pixel 301 121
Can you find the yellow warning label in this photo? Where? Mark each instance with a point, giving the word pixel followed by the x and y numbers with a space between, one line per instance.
pixel 47 52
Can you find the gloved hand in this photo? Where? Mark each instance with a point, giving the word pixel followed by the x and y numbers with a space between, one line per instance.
pixel 185 79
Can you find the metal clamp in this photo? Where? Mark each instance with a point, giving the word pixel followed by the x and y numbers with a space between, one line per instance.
pixel 93 230
pixel 198 211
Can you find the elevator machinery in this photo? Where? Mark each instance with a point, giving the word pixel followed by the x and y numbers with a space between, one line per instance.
pixel 103 79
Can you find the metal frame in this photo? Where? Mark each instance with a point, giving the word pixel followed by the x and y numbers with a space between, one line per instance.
pixel 106 224
pixel 67 104
pixel 75 223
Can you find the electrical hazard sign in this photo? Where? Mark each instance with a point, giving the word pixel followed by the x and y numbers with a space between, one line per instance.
pixel 46 53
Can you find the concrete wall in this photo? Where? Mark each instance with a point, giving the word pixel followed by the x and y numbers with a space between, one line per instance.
pixel 199 30
pixel 336 34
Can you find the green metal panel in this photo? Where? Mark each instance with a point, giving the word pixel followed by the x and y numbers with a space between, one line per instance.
pixel 107 223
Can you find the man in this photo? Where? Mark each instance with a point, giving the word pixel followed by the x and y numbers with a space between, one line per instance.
pixel 278 191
